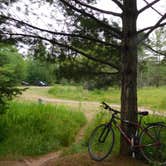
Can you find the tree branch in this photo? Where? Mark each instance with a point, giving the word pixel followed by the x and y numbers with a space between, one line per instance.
pixel 118 4
pixel 148 6
pixel 85 54
pixel 53 41
pixel 147 28
pixel 25 35
pixel 158 52
pixel 99 10
pixel 157 25
pixel 115 30
pixel 62 33
pixel 153 8
pixel 105 73
pixel 90 71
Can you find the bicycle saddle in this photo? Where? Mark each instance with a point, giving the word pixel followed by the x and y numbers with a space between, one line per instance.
pixel 144 113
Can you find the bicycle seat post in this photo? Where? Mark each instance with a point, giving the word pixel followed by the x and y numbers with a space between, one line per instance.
pixel 140 120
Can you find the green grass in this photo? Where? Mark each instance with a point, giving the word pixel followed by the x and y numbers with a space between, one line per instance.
pixel 103 117
pixel 150 97
pixel 153 98
pixel 100 118
pixel 33 129
pixel 81 94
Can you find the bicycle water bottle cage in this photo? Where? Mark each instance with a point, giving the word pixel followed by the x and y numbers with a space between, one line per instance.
pixel 144 113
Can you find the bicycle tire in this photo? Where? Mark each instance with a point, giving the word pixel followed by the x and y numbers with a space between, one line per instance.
pixel 101 142
pixel 155 154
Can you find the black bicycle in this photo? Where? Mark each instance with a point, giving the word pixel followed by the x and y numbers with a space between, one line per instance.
pixel 150 140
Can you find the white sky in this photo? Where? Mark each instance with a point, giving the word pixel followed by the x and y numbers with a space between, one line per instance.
pixel 147 18
pixel 47 17
pixel 44 14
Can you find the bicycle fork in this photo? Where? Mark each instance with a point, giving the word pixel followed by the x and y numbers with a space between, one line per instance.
pixel 104 134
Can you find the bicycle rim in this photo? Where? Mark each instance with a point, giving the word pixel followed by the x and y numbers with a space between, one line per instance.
pixel 101 142
pixel 152 152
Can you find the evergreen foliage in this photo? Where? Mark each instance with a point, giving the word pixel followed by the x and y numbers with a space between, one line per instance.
pixel 10 73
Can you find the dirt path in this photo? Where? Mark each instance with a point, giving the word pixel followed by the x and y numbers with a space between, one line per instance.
pixel 85 106
pixel 89 110
pixel 84 160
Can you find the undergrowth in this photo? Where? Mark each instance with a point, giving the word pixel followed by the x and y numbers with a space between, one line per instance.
pixel 100 118
pixel 33 129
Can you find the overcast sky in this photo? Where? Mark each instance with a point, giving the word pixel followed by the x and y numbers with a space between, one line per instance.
pixel 147 18
pixel 47 17
pixel 44 14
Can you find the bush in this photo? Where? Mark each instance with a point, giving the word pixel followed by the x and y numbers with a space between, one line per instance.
pixel 12 72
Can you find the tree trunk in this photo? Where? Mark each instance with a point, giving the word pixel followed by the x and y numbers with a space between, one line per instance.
pixel 129 71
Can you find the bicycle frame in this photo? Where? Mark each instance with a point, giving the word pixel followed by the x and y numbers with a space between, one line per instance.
pixel 138 127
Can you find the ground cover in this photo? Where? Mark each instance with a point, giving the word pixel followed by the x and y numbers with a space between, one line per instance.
pixel 102 117
pixel 153 98
pixel 78 149
pixel 80 94
pixel 33 129
pixel 149 97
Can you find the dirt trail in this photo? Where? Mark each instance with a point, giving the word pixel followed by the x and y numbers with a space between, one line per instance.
pixel 84 160
pixel 39 161
pixel 85 106
pixel 89 111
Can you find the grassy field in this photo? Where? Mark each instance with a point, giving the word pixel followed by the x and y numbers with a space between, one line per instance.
pixel 33 129
pixel 153 98
pixel 81 94
pixel 150 97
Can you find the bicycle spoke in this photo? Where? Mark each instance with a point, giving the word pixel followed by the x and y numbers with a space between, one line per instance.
pixel 154 144
pixel 101 142
pixel 157 132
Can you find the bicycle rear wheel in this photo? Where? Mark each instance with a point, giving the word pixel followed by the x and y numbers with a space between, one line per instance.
pixel 101 142
pixel 153 144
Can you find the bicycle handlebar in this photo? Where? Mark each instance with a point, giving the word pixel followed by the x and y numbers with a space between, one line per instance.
pixel 106 106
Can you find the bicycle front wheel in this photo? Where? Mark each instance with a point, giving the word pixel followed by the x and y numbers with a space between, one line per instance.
pixel 101 142
pixel 153 144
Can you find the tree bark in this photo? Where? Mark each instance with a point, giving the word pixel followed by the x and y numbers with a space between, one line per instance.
pixel 129 71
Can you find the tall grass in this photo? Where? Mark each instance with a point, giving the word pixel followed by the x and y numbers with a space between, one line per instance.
pixel 104 117
pixel 150 97
pixel 81 94
pixel 101 118
pixel 32 129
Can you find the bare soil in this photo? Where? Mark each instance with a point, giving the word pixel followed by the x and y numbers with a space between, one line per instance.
pixel 84 160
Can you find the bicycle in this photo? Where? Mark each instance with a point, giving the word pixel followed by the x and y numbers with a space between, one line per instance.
pixel 149 140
